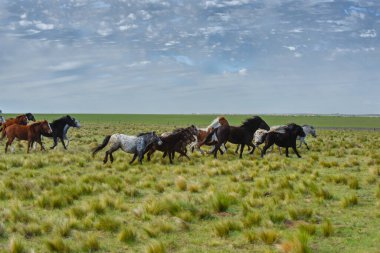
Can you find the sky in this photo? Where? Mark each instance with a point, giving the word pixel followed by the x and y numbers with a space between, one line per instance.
pixel 205 56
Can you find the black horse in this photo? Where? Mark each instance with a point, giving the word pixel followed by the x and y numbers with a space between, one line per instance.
pixel 243 135
pixel 286 138
pixel 60 127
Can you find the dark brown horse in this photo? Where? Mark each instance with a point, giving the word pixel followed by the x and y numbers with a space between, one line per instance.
pixel 171 143
pixel 31 133
pixel 19 120
pixel 284 139
pixel 243 135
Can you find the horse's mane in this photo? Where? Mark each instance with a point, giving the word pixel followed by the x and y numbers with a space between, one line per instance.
pixel 62 118
pixel 141 134
pixel 252 122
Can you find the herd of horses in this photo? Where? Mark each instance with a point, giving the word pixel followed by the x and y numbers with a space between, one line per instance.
pixel 252 133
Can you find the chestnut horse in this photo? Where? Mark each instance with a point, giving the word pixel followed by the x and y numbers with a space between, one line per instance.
pixel 31 133
pixel 19 120
pixel 204 132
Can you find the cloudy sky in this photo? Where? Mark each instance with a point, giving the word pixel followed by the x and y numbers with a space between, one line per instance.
pixel 205 56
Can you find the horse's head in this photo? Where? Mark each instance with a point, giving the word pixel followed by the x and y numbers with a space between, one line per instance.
pixel 30 116
pixel 45 126
pixel 311 131
pixel 193 130
pixel 153 138
pixel 22 120
pixel 73 122
pixel 259 136
pixel 223 121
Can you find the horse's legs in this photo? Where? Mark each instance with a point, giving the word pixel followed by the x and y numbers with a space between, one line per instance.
pixel 267 145
pixel 55 140
pixel 9 142
pixel 133 159
pixel 241 150
pixel 306 145
pixel 280 150
pixel 287 151
pixel 294 147
pixel 237 149
pixel 253 148
pixel 141 156
pixel 63 143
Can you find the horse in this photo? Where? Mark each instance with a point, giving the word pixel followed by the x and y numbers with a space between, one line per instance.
pixel 189 136
pixel 218 137
pixel 251 126
pixel 203 133
pixel 60 127
pixel 308 130
pixel 31 133
pixel 2 120
pixel 285 137
pixel 19 120
pixel 171 143
pixel 135 145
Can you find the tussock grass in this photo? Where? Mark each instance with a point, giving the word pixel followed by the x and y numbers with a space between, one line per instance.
pixel 349 201
pixel 327 228
pixel 90 243
pixel 16 246
pixel 56 244
pixel 269 236
pixel 223 228
pixel 299 243
pixel 155 247
pixel 127 235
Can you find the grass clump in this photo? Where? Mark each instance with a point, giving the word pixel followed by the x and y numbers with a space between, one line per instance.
pixel 16 246
pixel 155 247
pixel 269 236
pixel 223 228
pixel 181 183
pixel 349 201
pixel 327 228
pixel 90 244
pixel 57 244
pixel 127 235
pixel 299 243
pixel 253 218
pixel 300 213
pixel 221 202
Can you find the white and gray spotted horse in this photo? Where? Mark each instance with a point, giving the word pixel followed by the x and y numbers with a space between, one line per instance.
pixel 135 145
pixel 309 130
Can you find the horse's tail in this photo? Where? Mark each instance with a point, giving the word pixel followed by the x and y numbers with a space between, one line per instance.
pixel 208 137
pixel 101 146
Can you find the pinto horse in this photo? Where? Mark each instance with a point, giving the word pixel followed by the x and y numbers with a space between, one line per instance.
pixel 285 137
pixel 31 133
pixel 203 133
pixel 218 137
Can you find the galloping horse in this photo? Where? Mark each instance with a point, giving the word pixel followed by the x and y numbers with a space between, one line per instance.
pixel 19 120
pixel 203 133
pixel 218 137
pixel 60 127
pixel 243 135
pixel 285 137
pixel 308 130
pixel 31 133
pixel 135 145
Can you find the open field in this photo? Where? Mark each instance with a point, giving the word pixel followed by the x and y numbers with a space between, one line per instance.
pixel 66 201
pixel 204 120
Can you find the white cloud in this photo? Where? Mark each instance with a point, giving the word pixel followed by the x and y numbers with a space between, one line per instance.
pixel 42 26
pixel 64 66
pixel 368 34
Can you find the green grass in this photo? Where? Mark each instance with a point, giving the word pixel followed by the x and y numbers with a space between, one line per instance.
pixel 66 201
pixel 204 120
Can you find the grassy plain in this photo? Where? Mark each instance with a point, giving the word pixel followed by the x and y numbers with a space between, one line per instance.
pixel 66 201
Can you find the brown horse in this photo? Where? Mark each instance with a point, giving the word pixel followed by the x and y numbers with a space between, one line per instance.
pixel 204 132
pixel 31 133
pixel 19 120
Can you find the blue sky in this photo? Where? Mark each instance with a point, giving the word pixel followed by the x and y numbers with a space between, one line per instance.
pixel 209 56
